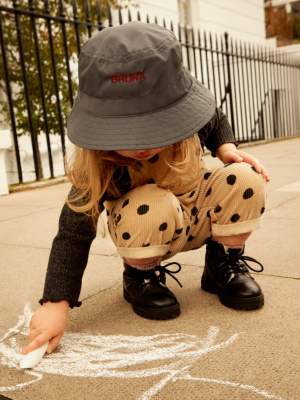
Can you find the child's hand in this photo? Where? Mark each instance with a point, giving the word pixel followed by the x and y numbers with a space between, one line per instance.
pixel 228 153
pixel 47 323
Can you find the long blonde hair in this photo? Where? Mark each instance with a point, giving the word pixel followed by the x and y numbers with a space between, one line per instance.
pixel 92 173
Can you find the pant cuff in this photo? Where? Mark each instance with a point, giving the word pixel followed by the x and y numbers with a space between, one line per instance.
pixel 143 252
pixel 236 228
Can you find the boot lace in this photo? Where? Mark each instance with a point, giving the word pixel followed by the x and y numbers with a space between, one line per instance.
pixel 150 276
pixel 238 263
pixel 164 269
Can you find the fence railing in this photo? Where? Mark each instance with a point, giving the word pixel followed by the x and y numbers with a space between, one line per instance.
pixel 256 87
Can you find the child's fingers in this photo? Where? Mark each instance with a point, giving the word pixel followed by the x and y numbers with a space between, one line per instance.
pixel 261 169
pixel 238 158
pixel 257 165
pixel 265 173
pixel 32 335
pixel 53 343
pixel 37 342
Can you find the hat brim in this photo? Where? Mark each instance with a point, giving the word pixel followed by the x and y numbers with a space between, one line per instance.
pixel 153 130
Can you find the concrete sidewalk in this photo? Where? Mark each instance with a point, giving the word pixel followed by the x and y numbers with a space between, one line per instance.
pixel 210 352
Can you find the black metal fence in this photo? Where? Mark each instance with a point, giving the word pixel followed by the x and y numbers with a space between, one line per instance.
pixel 258 88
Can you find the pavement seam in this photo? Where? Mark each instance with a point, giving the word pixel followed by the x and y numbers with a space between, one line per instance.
pixel 101 291
pixel 26 215
pixel 281 204
pixel 24 245
pixel 253 273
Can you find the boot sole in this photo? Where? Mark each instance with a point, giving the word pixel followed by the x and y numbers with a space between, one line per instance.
pixel 251 303
pixel 154 313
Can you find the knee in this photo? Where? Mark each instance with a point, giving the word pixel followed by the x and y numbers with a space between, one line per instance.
pixel 245 174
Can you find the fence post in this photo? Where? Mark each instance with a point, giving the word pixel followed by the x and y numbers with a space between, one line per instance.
pixel 229 86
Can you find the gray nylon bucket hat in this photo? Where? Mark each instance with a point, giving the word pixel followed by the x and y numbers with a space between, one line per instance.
pixel 134 92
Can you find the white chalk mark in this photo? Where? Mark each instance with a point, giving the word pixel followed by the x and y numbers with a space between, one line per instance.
pixel 87 355
pixel 237 385
pixel 21 385
pixel 24 321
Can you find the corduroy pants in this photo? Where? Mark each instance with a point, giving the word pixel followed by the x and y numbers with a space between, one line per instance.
pixel 151 221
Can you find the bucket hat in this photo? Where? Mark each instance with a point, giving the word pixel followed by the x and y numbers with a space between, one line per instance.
pixel 134 92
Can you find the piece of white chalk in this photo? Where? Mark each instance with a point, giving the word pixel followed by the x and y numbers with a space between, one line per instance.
pixel 33 358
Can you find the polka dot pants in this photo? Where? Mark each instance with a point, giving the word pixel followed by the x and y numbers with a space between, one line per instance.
pixel 151 221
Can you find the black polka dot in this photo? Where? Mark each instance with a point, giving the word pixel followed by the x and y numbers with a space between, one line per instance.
pixel 248 193
pixel 173 240
pixel 179 231
pixel 187 230
pixel 107 213
pixel 253 169
pixel 126 236
pixel 207 175
pixel 208 192
pixel 151 181
pixel 118 219
pixel 194 211
pixel 208 214
pixel 126 202
pixel 168 242
pixel 192 194
pixel 262 210
pixel 190 238
pixel 139 164
pixel 217 209
pixel 235 218
pixel 108 229
pixel 143 209
pixel 163 226
pixel 182 209
pixel 227 165
pixel 145 244
pixel 196 220
pixel 231 179
pixel 179 195
pixel 154 159
pixel 178 209
pixel 169 252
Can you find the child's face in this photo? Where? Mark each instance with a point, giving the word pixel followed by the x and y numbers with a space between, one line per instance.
pixel 140 154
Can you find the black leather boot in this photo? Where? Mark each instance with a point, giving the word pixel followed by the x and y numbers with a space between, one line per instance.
pixel 148 294
pixel 226 273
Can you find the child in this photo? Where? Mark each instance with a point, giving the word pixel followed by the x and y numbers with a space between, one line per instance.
pixel 139 123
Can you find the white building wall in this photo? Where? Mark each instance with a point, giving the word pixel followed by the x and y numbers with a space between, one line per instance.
pixel 166 9
pixel 242 19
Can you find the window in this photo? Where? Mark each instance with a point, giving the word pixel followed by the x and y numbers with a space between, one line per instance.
pixel 295 7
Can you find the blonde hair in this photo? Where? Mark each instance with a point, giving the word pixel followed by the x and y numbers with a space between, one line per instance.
pixel 91 172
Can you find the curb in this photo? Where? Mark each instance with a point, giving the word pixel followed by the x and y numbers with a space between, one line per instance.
pixel 36 185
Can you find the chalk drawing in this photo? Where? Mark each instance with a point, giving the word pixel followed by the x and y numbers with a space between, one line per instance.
pixel 92 356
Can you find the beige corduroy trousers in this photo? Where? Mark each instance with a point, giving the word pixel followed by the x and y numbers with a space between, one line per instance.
pixel 151 221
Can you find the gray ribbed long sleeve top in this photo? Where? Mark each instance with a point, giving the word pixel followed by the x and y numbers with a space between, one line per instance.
pixel 71 246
